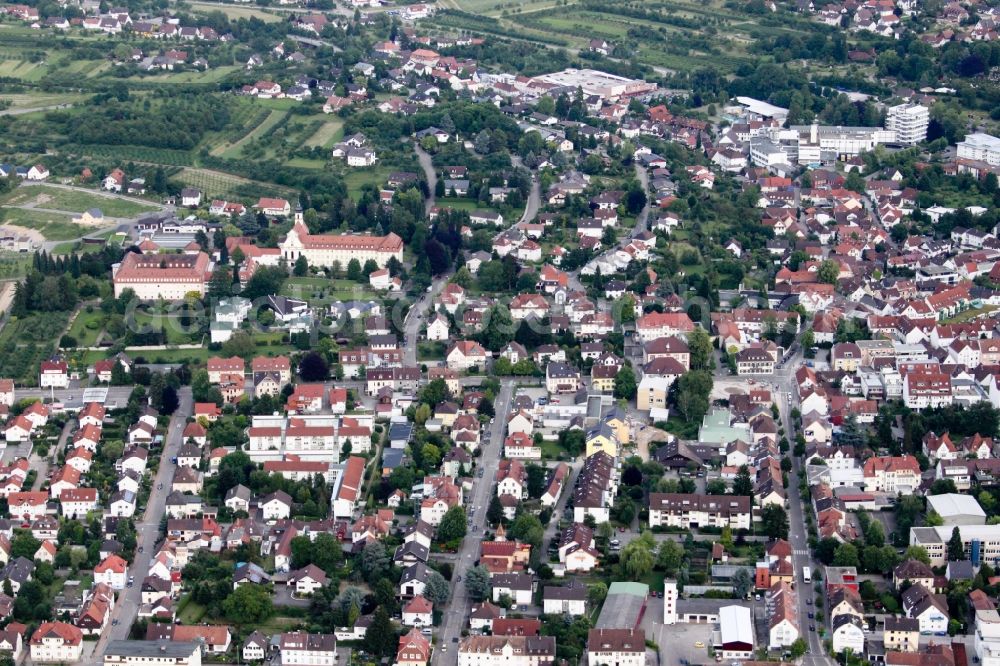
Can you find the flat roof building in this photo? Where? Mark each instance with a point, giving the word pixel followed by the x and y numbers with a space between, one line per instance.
pixel 956 509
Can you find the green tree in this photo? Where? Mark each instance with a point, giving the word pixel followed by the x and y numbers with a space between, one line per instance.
pixel 453 525
pixel 742 584
pixel 301 266
pixel 799 648
pixel 828 272
pixel 625 383
pixel 597 593
pixel 956 551
pixel 918 553
pixel 477 582
pixel 494 513
pixel 700 348
pixel 774 521
pixel 380 639
pixel 436 589
pixel 354 270
pixel 743 484
pixel 691 397
pixel 637 557
pixel 248 605
pixel 670 556
pixel 374 561
pixel 846 556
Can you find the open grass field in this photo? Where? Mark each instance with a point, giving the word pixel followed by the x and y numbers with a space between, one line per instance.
pixel 355 179
pixel 73 201
pixel 322 291
pixel 235 12
pixel 213 75
pixel 329 133
pixel 51 225
pixel 22 69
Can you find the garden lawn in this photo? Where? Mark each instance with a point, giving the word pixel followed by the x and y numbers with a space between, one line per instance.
pixel 87 327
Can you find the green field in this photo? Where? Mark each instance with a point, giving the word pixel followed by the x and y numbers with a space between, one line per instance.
pixel 323 291
pixel 328 134
pixel 51 225
pixel 87 327
pixel 355 179
pixel 75 201
pixel 235 12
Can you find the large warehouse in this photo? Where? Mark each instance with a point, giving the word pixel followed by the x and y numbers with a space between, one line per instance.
pixel 734 639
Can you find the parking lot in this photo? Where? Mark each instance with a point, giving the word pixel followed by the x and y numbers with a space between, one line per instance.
pixel 677 643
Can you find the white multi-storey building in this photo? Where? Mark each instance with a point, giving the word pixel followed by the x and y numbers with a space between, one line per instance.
pixel 979 146
pixel 909 122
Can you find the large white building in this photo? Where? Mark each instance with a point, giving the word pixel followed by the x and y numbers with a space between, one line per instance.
pixel 979 146
pixel 909 122
pixel 815 140
pixel 153 653
pixel 311 437
pixel 981 542
pixel 327 250
pixel 167 277
pixel 735 633
pixel 692 510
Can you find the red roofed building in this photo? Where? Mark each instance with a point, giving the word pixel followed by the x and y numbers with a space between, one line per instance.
pixel 348 488
pixel 927 389
pixel 325 250
pixel 306 398
pixel 78 502
pixel 892 474
pixel 663 324
pixel 113 572
pixel 56 642
pixel 414 649
pixel 168 277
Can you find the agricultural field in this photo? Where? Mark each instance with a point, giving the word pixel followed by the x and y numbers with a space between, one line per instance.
pixel 75 201
pixel 20 348
pixel 221 184
pixel 39 99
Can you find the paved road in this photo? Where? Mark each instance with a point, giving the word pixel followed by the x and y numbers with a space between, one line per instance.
pixel 148 528
pixel 416 316
pixel 429 175
pixel 552 529
pixel 642 222
pixel 797 535
pixel 459 607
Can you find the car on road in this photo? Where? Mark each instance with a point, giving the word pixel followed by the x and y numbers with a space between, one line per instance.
pixel 699 644
pixel 810 616
pixel 809 601
pixel 812 627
